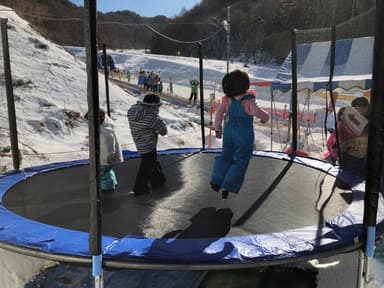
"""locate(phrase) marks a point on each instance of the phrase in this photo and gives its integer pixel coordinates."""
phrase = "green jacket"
(194, 85)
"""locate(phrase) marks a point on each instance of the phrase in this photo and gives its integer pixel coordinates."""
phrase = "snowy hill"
(50, 99)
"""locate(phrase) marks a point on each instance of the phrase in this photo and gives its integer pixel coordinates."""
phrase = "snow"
(50, 93)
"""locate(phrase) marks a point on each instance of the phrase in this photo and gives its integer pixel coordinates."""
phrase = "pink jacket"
(352, 144)
(250, 107)
(332, 146)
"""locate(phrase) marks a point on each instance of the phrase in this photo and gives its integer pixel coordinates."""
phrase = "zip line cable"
(180, 41)
(140, 24)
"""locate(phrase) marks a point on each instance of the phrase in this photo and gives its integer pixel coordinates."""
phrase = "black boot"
(224, 194)
(215, 187)
(141, 190)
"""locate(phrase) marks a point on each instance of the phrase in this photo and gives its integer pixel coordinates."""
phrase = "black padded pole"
(10, 98)
(376, 123)
(330, 87)
(294, 92)
(94, 128)
(106, 76)
(201, 95)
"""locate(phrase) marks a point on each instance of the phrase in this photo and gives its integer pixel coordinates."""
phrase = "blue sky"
(147, 8)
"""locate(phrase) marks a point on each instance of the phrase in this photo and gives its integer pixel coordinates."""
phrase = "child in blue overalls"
(240, 106)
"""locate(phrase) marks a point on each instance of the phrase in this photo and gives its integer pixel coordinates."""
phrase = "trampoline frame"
(343, 233)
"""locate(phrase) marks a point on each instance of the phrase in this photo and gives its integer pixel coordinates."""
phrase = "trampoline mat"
(277, 195)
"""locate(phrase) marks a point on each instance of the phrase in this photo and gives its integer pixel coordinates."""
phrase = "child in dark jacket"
(145, 125)
(240, 106)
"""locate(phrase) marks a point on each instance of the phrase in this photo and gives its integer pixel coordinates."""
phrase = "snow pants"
(238, 138)
(150, 172)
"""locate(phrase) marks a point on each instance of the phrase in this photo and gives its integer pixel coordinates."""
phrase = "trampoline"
(289, 209)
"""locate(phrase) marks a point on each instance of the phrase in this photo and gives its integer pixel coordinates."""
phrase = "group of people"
(145, 123)
(238, 107)
(150, 81)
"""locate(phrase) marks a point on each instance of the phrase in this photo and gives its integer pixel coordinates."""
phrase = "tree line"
(259, 29)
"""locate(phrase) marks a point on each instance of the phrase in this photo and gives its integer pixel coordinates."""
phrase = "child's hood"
(107, 127)
(108, 122)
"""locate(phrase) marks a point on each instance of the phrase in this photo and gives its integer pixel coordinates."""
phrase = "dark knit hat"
(151, 99)
(360, 102)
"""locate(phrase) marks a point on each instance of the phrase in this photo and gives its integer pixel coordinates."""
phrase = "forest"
(260, 30)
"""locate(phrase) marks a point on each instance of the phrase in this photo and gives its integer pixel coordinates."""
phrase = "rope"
(137, 24)
(180, 41)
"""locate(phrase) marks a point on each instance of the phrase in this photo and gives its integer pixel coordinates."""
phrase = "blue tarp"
(70, 276)
(344, 230)
(353, 65)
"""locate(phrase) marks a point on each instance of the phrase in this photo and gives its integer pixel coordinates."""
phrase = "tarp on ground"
(353, 65)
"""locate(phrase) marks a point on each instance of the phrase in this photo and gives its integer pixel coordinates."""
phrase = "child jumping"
(240, 106)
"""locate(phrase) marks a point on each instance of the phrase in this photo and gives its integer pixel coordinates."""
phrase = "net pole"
(330, 89)
(374, 171)
(271, 124)
(94, 142)
(106, 76)
(10, 97)
(228, 36)
(294, 91)
(201, 95)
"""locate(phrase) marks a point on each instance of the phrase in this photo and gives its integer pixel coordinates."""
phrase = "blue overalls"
(238, 138)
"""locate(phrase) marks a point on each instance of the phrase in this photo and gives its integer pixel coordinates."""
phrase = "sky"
(52, 83)
(146, 8)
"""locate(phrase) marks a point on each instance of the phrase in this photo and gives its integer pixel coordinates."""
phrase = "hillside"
(48, 83)
(61, 21)
(260, 29)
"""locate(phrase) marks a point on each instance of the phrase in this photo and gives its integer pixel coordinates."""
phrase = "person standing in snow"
(110, 152)
(141, 79)
(194, 86)
(240, 106)
(146, 125)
